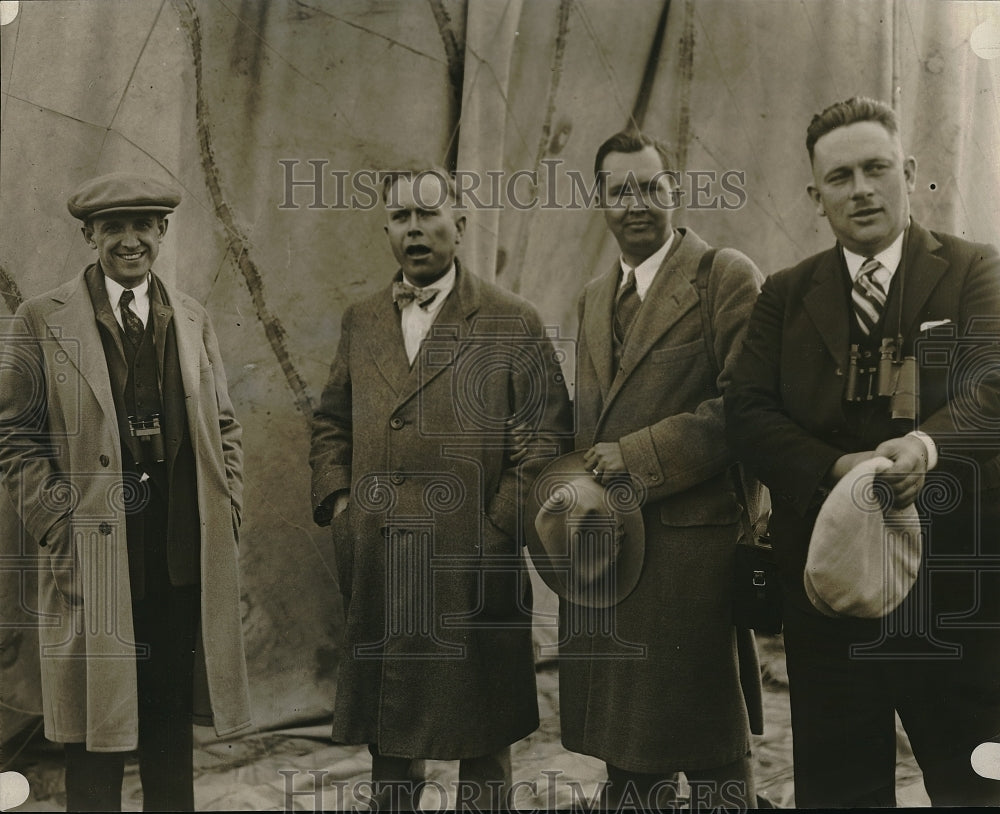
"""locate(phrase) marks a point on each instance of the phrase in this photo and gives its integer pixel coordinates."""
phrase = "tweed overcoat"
(656, 688)
(438, 658)
(60, 452)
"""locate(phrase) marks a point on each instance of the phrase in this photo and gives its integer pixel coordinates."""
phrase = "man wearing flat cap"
(121, 454)
(879, 355)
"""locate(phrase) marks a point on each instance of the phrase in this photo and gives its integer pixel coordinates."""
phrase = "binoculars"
(890, 376)
(150, 436)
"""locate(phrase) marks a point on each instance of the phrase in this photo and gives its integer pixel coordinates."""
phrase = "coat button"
(105, 460)
(397, 478)
(104, 528)
(397, 423)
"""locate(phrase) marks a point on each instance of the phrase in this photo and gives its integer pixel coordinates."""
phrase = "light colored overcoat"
(652, 685)
(59, 451)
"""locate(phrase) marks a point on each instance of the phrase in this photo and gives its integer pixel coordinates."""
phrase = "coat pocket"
(343, 551)
(712, 503)
(502, 580)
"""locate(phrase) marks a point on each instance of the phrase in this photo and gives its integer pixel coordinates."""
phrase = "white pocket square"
(934, 323)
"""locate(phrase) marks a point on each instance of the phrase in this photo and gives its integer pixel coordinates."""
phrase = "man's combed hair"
(390, 177)
(628, 141)
(840, 114)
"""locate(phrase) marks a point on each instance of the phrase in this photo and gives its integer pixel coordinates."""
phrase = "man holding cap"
(120, 452)
(881, 352)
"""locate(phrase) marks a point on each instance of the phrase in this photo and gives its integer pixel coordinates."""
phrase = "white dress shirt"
(140, 305)
(888, 257)
(417, 321)
(646, 270)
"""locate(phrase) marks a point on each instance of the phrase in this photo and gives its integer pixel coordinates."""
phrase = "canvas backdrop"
(216, 94)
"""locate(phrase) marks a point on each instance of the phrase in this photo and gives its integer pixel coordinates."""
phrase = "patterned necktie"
(403, 294)
(134, 329)
(627, 304)
(868, 296)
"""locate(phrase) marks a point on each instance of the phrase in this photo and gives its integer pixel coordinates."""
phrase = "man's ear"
(163, 227)
(459, 228)
(910, 172)
(88, 234)
(817, 200)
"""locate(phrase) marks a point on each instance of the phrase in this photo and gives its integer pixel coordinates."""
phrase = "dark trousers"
(483, 782)
(166, 622)
(843, 705)
(728, 787)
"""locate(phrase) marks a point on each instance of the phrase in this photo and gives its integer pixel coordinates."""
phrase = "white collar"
(646, 270)
(115, 289)
(443, 286)
(888, 257)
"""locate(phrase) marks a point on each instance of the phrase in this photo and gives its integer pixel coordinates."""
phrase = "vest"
(146, 381)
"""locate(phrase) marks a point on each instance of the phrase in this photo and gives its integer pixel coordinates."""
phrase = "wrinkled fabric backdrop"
(215, 93)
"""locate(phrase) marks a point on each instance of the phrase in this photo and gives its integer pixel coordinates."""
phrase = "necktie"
(868, 296)
(627, 304)
(134, 328)
(403, 294)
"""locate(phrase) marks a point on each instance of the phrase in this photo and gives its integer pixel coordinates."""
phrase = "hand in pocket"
(64, 563)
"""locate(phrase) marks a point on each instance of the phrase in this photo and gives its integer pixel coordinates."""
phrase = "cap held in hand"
(862, 561)
(587, 541)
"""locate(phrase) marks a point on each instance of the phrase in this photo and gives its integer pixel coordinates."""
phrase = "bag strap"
(748, 534)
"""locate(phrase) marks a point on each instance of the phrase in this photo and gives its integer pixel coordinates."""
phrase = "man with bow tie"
(882, 346)
(121, 454)
(415, 468)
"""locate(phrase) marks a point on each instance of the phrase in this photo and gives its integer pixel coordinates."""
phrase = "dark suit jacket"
(784, 407)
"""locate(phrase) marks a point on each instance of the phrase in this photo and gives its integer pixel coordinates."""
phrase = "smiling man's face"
(127, 244)
(636, 197)
(423, 227)
(862, 184)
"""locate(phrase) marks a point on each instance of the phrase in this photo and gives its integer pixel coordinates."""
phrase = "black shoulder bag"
(756, 591)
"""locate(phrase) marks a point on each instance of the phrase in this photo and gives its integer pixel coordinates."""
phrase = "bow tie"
(403, 294)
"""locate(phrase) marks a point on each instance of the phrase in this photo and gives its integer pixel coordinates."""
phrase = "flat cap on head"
(122, 192)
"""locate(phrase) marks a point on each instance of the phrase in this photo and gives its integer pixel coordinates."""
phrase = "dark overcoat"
(653, 684)
(438, 658)
(60, 452)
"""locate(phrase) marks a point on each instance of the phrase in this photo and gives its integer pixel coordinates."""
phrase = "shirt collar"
(115, 290)
(646, 270)
(888, 257)
(443, 286)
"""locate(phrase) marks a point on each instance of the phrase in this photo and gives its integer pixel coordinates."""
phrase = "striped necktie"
(868, 296)
(627, 304)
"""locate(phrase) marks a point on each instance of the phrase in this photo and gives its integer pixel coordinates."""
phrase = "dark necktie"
(627, 304)
(134, 328)
(868, 296)
(403, 294)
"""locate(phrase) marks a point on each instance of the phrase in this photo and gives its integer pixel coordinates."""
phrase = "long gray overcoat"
(651, 684)
(60, 450)
(438, 658)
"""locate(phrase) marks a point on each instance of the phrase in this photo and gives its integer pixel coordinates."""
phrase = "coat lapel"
(385, 342)
(922, 271)
(444, 342)
(671, 295)
(826, 304)
(188, 329)
(598, 316)
(71, 324)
